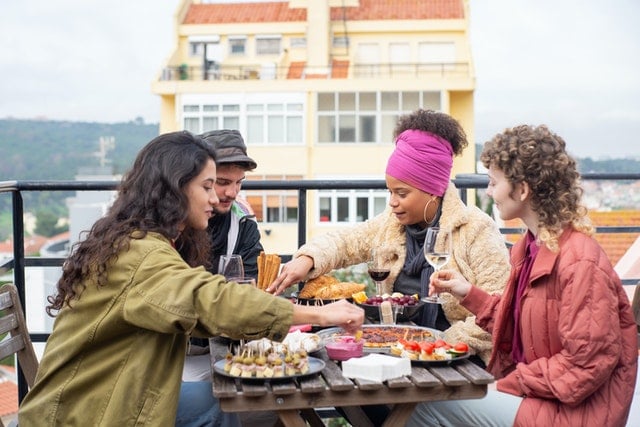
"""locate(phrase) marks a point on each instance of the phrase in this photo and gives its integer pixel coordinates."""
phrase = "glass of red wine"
(377, 271)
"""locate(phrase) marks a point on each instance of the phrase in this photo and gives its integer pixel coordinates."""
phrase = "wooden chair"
(14, 335)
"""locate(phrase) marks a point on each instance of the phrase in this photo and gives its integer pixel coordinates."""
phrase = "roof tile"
(218, 13)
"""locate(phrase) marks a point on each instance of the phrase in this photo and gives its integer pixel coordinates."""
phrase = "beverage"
(437, 260)
(437, 251)
(378, 274)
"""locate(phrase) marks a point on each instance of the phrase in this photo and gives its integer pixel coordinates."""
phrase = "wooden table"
(295, 400)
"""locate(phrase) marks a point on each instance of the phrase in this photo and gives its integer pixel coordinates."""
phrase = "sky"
(573, 65)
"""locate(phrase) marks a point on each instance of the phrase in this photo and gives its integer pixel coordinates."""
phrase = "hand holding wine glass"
(437, 251)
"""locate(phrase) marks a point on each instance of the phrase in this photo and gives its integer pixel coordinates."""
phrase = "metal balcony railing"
(20, 262)
(340, 69)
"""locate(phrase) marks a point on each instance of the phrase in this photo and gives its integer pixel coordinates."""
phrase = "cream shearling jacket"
(479, 254)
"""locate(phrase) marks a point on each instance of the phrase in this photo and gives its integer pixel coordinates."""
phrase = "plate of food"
(430, 352)
(326, 289)
(380, 338)
(259, 368)
(411, 305)
(293, 342)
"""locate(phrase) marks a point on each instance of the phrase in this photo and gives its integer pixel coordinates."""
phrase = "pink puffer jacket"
(578, 333)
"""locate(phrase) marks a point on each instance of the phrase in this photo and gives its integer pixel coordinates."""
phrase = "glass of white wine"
(437, 251)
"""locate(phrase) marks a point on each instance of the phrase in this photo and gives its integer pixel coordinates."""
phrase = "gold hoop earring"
(424, 213)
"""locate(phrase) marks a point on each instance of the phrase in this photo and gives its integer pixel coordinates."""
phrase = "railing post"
(19, 274)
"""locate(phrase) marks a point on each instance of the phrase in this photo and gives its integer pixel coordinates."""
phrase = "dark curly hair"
(538, 157)
(151, 198)
(437, 123)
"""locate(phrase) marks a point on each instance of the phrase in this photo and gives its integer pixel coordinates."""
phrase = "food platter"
(437, 362)
(394, 332)
(315, 366)
(314, 301)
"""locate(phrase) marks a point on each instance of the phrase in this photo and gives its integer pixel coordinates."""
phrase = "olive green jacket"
(115, 358)
(479, 253)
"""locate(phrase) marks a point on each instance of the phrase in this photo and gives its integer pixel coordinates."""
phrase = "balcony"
(464, 183)
(339, 69)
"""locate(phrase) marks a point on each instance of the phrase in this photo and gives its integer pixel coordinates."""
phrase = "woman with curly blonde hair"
(564, 337)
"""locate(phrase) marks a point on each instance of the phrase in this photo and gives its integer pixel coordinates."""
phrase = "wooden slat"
(312, 384)
(448, 375)
(401, 382)
(5, 300)
(423, 378)
(11, 345)
(223, 387)
(8, 323)
(368, 385)
(250, 388)
(333, 376)
(283, 388)
(475, 373)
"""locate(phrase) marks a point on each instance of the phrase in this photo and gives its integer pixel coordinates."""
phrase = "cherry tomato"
(439, 343)
(427, 347)
(461, 347)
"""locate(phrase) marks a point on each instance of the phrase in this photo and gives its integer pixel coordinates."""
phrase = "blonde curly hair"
(537, 156)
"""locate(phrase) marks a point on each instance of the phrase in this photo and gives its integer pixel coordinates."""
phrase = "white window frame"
(265, 44)
(233, 108)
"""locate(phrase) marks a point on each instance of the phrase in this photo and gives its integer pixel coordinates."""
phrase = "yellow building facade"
(316, 87)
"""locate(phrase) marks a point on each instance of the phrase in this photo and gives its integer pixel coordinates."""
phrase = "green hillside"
(55, 150)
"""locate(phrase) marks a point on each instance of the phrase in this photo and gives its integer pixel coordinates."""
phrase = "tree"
(47, 224)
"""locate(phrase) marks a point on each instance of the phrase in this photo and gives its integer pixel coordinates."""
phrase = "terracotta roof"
(296, 69)
(615, 245)
(8, 393)
(339, 70)
(218, 13)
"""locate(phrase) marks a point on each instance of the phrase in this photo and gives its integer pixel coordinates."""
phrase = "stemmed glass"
(437, 251)
(231, 267)
(377, 271)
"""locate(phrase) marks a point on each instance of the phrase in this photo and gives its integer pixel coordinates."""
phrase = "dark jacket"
(247, 238)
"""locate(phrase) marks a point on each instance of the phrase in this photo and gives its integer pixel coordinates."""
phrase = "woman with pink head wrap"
(418, 177)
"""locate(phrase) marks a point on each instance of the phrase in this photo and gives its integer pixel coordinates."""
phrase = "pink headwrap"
(422, 160)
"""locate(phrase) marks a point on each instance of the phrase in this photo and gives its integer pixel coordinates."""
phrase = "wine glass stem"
(378, 288)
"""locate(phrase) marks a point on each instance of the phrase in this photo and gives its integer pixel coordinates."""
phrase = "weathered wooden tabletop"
(295, 399)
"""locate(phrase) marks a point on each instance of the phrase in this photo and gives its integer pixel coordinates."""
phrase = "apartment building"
(315, 87)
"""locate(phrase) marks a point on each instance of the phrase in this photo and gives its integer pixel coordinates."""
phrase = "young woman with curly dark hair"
(130, 295)
(565, 351)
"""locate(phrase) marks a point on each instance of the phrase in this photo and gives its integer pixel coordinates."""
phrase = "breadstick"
(261, 268)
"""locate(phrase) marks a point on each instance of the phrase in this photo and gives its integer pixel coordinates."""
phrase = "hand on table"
(292, 272)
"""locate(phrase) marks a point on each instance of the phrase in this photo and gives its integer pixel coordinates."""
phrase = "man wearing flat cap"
(233, 230)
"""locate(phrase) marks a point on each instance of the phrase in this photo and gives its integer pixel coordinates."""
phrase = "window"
(340, 206)
(298, 42)
(274, 206)
(275, 123)
(259, 117)
(366, 117)
(237, 45)
(437, 56)
(340, 41)
(268, 45)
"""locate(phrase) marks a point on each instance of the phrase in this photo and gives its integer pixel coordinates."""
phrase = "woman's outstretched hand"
(341, 313)
(292, 272)
(449, 281)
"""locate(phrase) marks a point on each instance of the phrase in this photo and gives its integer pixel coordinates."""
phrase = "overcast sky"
(570, 64)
